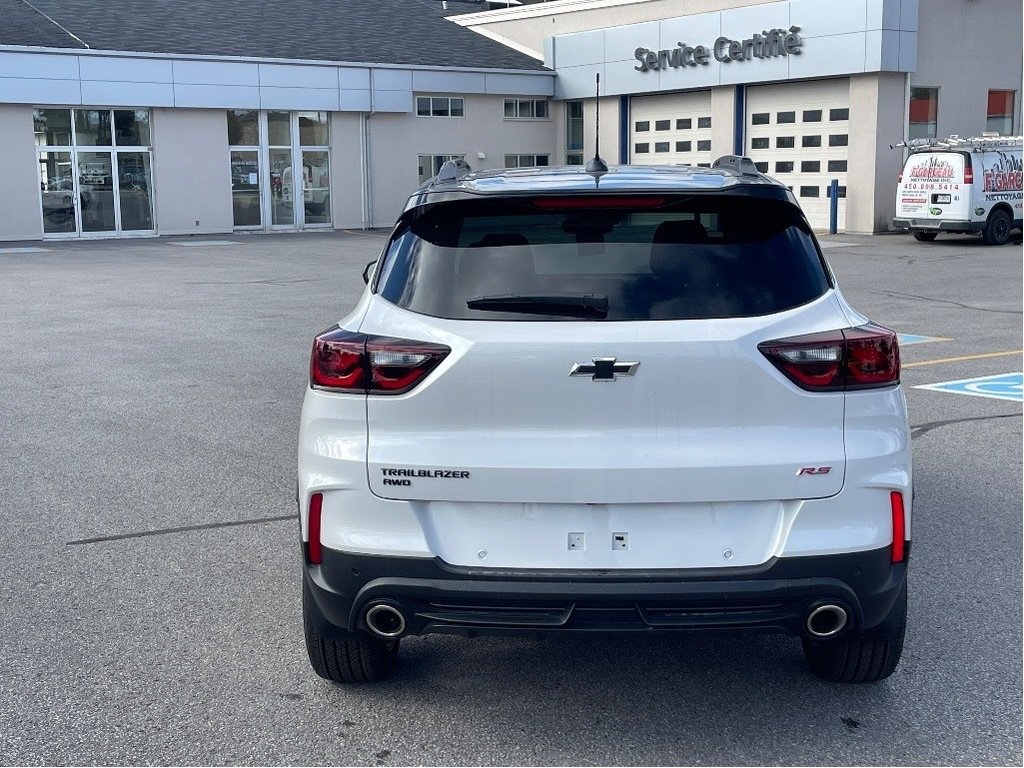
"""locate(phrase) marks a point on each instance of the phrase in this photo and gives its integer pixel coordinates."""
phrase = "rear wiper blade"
(589, 305)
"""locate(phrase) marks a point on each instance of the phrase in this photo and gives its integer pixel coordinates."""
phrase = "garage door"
(799, 134)
(671, 129)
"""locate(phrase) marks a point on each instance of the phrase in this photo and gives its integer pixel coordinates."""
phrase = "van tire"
(925, 237)
(997, 228)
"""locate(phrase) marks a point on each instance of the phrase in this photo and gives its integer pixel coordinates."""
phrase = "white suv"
(629, 401)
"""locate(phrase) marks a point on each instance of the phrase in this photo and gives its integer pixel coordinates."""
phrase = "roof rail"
(975, 143)
(742, 166)
(452, 170)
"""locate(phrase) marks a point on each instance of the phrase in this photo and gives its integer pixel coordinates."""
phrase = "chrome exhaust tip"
(384, 620)
(826, 620)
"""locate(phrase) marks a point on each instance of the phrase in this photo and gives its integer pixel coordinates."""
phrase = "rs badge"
(813, 471)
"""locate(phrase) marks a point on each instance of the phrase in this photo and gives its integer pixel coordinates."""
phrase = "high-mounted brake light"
(316, 505)
(848, 359)
(598, 201)
(899, 528)
(344, 361)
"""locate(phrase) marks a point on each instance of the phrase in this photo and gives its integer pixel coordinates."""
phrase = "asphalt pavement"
(149, 599)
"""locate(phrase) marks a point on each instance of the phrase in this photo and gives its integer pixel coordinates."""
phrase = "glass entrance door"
(59, 196)
(292, 151)
(95, 176)
(96, 192)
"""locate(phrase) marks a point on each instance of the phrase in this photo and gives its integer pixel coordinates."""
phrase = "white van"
(961, 185)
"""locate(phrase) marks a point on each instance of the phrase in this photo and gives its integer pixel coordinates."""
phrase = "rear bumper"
(938, 225)
(435, 597)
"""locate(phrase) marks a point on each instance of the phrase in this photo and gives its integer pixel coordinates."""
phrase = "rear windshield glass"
(631, 259)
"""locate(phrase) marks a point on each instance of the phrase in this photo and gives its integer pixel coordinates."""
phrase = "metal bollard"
(833, 213)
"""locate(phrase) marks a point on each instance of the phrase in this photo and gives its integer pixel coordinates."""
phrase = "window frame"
(517, 105)
(431, 97)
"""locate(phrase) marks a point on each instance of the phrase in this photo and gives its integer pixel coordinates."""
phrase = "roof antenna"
(596, 165)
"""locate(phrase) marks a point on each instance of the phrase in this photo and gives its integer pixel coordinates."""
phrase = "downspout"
(365, 151)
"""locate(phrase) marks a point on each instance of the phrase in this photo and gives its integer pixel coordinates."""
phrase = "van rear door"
(932, 189)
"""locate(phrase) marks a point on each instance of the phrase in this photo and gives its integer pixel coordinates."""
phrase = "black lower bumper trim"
(436, 597)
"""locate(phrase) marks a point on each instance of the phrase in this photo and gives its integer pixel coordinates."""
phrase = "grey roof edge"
(261, 60)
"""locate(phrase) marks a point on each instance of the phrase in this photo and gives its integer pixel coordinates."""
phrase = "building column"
(723, 120)
(877, 119)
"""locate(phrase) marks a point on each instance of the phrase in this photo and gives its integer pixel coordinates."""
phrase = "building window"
(810, 166)
(574, 131)
(1000, 112)
(95, 170)
(430, 165)
(785, 142)
(525, 161)
(924, 110)
(280, 168)
(785, 117)
(812, 116)
(839, 114)
(784, 166)
(684, 124)
(662, 146)
(704, 146)
(761, 167)
(809, 192)
(810, 141)
(760, 118)
(703, 122)
(643, 125)
(526, 109)
(759, 142)
(440, 106)
(684, 146)
(662, 125)
(574, 158)
(838, 140)
(642, 149)
(837, 166)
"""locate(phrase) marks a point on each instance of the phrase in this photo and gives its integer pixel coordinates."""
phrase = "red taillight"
(899, 527)
(316, 505)
(854, 358)
(968, 170)
(344, 361)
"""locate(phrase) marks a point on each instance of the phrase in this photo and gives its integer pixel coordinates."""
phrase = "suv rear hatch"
(604, 361)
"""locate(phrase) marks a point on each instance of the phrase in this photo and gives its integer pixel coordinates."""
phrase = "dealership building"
(198, 117)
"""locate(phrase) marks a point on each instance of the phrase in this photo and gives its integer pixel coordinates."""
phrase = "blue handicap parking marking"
(1003, 386)
(906, 339)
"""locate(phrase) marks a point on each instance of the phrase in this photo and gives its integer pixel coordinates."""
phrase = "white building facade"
(814, 91)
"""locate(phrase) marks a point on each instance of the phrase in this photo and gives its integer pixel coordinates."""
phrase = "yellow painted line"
(965, 357)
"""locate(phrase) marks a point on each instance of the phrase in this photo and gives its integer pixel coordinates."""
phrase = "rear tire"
(925, 237)
(997, 228)
(361, 659)
(860, 658)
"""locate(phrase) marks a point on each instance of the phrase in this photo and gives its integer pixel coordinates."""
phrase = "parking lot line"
(964, 357)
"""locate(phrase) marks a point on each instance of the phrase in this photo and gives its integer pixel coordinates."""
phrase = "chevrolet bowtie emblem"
(603, 369)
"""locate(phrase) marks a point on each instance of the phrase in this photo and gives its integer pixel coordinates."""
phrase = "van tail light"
(900, 177)
(343, 361)
(968, 170)
(866, 357)
(316, 506)
(899, 528)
